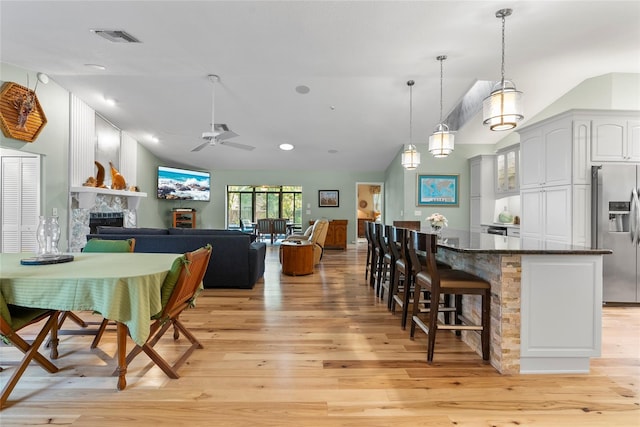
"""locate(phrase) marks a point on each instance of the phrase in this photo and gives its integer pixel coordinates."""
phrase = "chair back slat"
(189, 280)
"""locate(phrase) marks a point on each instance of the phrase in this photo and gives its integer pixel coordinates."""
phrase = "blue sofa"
(237, 260)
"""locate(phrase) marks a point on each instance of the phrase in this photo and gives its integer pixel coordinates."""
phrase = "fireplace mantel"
(86, 196)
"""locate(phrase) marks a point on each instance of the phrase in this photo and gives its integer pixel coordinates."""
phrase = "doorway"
(369, 205)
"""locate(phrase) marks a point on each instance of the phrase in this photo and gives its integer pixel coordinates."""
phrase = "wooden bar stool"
(388, 262)
(370, 248)
(449, 282)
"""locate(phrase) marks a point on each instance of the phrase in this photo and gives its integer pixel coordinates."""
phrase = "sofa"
(237, 260)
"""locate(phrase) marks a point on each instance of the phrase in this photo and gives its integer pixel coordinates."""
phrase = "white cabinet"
(482, 197)
(555, 178)
(547, 154)
(546, 214)
(507, 176)
(615, 140)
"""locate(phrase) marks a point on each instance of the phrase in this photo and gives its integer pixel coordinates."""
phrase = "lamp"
(502, 109)
(442, 140)
(410, 156)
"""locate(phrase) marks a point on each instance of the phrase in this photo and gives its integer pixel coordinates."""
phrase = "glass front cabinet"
(507, 171)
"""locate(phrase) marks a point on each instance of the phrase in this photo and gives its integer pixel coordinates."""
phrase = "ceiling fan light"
(441, 142)
(410, 157)
(502, 109)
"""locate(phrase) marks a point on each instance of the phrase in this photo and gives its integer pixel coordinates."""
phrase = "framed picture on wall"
(329, 198)
(437, 190)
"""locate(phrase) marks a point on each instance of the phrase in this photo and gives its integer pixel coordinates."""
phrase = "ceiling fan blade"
(237, 145)
(201, 146)
(226, 135)
(221, 127)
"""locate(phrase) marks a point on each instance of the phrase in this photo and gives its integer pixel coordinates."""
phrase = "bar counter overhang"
(546, 300)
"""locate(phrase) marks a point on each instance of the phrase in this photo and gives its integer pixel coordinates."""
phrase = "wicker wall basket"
(36, 120)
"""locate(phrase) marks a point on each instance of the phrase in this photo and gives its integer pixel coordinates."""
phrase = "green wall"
(401, 185)
(52, 144)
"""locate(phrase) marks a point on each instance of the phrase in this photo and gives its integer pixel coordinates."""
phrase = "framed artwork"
(328, 198)
(437, 190)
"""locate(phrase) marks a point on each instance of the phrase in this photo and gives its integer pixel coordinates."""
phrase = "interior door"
(20, 203)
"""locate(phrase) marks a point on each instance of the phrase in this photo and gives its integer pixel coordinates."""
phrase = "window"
(250, 203)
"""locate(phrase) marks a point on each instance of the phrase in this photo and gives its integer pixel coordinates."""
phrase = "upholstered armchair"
(316, 234)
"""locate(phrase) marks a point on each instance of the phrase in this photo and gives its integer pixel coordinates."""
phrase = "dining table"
(123, 287)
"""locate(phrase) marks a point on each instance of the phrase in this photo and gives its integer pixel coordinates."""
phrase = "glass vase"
(48, 235)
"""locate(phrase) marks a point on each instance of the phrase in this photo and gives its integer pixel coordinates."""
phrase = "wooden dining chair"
(279, 229)
(13, 319)
(102, 246)
(452, 282)
(179, 290)
(263, 227)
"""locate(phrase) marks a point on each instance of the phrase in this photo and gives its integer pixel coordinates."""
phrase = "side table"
(296, 258)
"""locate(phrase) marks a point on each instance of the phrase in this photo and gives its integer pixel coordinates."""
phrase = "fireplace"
(112, 219)
(91, 207)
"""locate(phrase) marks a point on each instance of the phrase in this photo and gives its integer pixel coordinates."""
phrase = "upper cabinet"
(507, 171)
(615, 140)
(558, 150)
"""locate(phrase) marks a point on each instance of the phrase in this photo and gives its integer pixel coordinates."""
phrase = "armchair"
(316, 234)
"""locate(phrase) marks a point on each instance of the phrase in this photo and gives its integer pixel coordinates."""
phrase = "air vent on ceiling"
(116, 36)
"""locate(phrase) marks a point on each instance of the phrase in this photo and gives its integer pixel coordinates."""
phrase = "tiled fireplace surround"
(88, 200)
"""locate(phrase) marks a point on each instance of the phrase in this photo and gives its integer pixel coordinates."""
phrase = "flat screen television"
(183, 184)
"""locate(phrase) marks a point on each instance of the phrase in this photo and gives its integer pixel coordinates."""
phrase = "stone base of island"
(546, 304)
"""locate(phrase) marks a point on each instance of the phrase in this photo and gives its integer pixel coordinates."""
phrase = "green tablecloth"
(121, 286)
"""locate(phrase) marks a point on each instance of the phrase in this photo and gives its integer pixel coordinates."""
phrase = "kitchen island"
(546, 300)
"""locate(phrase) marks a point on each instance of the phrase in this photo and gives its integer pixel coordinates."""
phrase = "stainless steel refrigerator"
(615, 225)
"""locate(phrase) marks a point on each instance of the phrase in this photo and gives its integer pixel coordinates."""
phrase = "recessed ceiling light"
(286, 147)
(332, 151)
(302, 89)
(96, 66)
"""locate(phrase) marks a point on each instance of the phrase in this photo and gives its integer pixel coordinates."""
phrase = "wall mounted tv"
(183, 184)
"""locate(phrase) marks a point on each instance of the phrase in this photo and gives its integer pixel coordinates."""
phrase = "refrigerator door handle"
(636, 220)
(633, 217)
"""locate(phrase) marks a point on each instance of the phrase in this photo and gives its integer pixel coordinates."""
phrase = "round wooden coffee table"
(297, 257)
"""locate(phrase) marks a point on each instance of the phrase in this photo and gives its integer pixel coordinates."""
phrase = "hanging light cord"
(410, 83)
(503, 19)
(441, 58)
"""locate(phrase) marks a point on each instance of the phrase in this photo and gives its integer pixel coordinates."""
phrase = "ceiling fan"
(219, 132)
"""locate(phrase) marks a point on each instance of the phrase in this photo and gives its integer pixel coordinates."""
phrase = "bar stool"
(397, 240)
(453, 282)
(370, 248)
(388, 262)
(373, 266)
(403, 279)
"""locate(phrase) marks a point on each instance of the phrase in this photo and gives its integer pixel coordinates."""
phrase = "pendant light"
(410, 156)
(442, 140)
(502, 109)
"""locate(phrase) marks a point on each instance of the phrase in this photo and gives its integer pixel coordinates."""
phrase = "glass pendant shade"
(410, 157)
(502, 109)
(441, 142)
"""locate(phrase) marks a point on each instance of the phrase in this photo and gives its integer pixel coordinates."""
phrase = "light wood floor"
(321, 350)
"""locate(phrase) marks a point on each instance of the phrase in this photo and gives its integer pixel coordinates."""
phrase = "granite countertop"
(472, 242)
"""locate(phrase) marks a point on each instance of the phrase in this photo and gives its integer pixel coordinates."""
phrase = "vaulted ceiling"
(354, 56)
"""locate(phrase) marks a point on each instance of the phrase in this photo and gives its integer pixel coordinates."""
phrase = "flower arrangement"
(437, 221)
